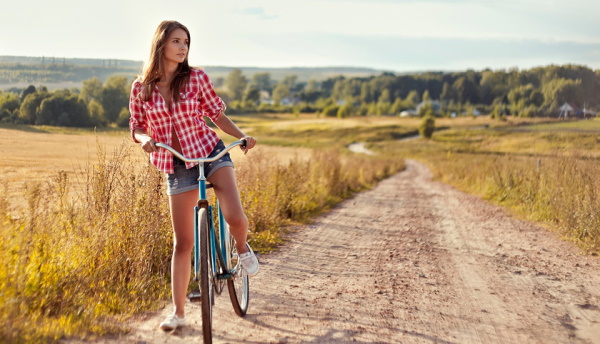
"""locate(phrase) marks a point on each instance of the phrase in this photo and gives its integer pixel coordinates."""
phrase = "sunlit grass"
(93, 245)
(548, 176)
(86, 243)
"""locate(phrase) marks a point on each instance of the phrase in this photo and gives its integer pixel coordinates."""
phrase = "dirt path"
(412, 261)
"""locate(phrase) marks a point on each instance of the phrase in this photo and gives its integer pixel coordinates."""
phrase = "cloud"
(257, 12)
(405, 54)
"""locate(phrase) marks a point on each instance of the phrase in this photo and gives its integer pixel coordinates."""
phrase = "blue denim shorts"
(184, 179)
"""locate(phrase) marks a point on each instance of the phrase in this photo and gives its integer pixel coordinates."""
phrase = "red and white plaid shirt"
(197, 139)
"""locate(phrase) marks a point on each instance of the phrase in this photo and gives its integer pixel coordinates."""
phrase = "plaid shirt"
(197, 139)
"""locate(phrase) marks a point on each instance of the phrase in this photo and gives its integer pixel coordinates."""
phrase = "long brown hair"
(152, 71)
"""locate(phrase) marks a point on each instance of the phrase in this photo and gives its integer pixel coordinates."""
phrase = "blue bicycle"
(215, 257)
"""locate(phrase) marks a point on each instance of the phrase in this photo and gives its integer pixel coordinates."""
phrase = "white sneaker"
(249, 261)
(172, 322)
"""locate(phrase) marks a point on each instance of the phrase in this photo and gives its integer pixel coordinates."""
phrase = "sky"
(391, 35)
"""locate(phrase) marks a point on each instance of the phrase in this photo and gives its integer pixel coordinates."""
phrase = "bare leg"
(182, 215)
(223, 181)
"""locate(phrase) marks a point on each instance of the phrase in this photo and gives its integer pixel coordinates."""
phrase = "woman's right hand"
(148, 144)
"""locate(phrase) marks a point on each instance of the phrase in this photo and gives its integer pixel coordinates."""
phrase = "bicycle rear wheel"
(238, 285)
(206, 276)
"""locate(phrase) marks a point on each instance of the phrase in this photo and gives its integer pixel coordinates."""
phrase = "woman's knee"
(237, 221)
(183, 246)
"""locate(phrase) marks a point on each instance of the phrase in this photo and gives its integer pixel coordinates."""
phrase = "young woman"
(167, 104)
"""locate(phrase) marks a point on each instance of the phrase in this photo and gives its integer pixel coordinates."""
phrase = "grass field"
(545, 172)
(86, 229)
(80, 249)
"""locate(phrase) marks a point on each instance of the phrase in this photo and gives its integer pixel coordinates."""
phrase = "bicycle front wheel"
(238, 284)
(206, 275)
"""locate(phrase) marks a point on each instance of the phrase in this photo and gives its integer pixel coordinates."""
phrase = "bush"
(330, 111)
(344, 111)
(427, 127)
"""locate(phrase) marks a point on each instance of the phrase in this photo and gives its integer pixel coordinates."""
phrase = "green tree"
(96, 112)
(338, 91)
(236, 84)
(30, 107)
(372, 109)
(385, 96)
(312, 86)
(396, 106)
(29, 90)
(465, 90)
(280, 92)
(446, 93)
(262, 81)
(558, 91)
(383, 104)
(9, 103)
(344, 111)
(252, 94)
(330, 111)
(114, 96)
(64, 109)
(412, 99)
(123, 120)
(365, 93)
(426, 96)
(290, 81)
(311, 92)
(500, 110)
(91, 89)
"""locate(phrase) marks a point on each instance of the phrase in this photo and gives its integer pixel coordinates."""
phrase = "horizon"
(365, 68)
(389, 35)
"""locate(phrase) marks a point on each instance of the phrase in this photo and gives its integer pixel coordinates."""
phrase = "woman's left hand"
(250, 143)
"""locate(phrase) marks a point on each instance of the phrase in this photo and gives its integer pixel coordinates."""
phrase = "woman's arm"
(228, 127)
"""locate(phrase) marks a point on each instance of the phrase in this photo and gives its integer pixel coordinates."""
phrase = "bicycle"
(215, 257)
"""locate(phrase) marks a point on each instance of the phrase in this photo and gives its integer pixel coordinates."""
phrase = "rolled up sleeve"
(136, 109)
(211, 104)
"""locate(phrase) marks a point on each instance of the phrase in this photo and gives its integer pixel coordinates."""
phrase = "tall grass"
(73, 262)
(563, 192)
(276, 194)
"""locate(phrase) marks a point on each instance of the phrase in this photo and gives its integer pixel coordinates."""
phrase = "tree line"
(534, 92)
(96, 104)
(526, 93)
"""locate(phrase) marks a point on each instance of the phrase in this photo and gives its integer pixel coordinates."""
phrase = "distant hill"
(54, 72)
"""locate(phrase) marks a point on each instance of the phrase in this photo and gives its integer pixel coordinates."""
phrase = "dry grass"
(546, 173)
(33, 155)
(83, 247)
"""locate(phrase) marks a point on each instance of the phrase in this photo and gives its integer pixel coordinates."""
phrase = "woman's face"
(177, 46)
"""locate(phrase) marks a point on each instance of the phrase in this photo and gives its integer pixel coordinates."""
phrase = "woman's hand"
(148, 144)
(250, 143)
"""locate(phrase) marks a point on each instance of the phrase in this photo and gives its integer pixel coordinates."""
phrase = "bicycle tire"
(205, 276)
(238, 284)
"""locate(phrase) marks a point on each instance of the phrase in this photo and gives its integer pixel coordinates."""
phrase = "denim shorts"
(184, 179)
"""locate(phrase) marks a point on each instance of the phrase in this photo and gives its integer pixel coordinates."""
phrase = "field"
(86, 228)
(33, 155)
(80, 249)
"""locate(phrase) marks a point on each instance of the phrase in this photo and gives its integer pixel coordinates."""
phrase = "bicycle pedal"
(195, 296)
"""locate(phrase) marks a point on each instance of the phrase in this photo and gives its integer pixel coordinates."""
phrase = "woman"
(167, 104)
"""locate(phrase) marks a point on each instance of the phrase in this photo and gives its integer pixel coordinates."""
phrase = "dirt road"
(411, 261)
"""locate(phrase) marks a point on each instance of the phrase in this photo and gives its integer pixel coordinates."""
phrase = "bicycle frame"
(217, 255)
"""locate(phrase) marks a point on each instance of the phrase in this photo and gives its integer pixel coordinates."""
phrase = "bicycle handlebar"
(202, 160)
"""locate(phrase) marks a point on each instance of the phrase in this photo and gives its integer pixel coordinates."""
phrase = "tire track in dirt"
(411, 261)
